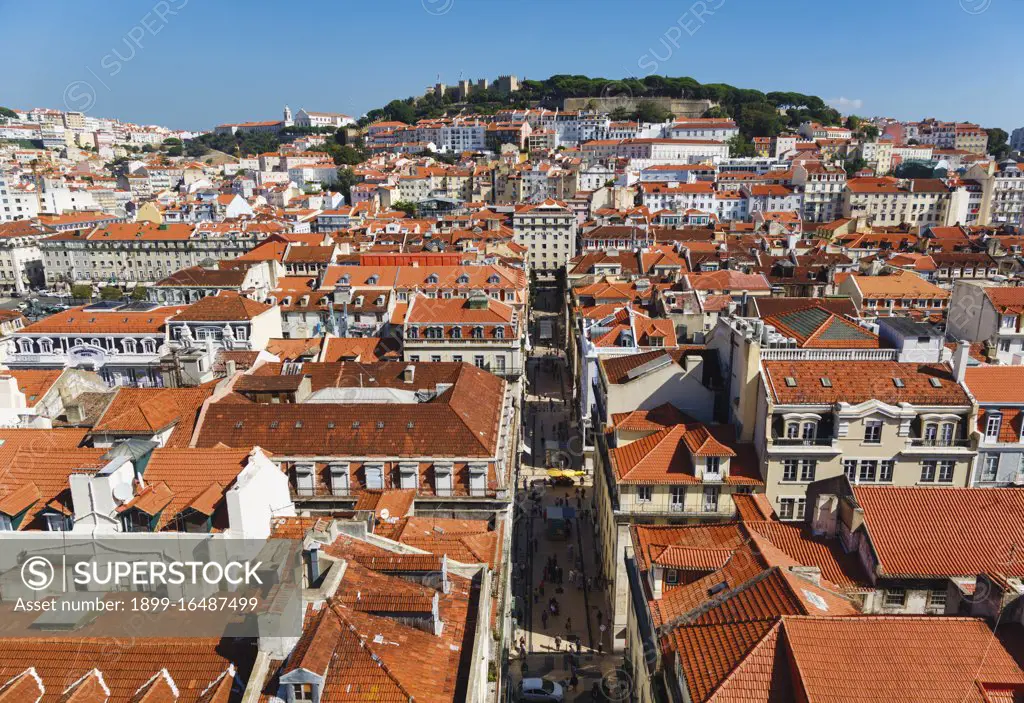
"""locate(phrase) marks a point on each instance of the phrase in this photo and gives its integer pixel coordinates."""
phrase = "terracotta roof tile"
(939, 532)
(226, 307)
(858, 381)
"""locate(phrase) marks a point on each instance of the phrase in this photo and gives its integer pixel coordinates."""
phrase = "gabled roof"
(665, 457)
(147, 411)
(225, 307)
(1006, 299)
(816, 327)
(942, 532)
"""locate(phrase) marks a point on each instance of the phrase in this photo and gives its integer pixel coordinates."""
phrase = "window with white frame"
(946, 469)
(789, 469)
(989, 467)
(937, 599)
(895, 597)
(643, 494)
(712, 465)
(873, 432)
(792, 508)
(677, 498)
(929, 468)
(993, 424)
(887, 468)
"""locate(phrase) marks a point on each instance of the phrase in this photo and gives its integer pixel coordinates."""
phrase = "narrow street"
(557, 569)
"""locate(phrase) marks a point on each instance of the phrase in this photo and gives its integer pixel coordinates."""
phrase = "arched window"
(25, 346)
(499, 333)
(414, 332)
(148, 346)
(456, 333)
(432, 278)
(128, 345)
(46, 346)
(478, 333)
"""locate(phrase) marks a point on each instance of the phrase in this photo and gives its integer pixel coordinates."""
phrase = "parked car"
(541, 691)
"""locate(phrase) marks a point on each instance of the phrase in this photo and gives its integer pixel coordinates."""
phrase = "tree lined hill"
(757, 114)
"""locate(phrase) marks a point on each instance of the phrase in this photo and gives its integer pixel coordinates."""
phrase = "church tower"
(288, 116)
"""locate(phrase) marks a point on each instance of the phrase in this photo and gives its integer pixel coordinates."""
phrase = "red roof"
(939, 532)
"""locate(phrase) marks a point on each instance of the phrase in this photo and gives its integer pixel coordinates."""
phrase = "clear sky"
(192, 64)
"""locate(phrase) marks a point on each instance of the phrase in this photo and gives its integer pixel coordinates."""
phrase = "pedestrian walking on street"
(568, 625)
(572, 576)
(583, 493)
(544, 618)
(558, 643)
(574, 681)
(570, 555)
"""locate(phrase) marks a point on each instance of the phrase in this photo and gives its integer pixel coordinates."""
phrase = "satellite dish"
(123, 493)
(385, 514)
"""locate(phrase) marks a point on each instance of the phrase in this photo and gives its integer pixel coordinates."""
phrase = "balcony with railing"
(939, 445)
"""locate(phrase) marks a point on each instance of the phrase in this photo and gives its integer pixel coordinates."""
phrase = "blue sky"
(195, 63)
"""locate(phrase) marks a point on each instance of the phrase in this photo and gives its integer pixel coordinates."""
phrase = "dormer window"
(432, 279)
(478, 333)
(713, 465)
(463, 280)
(456, 333)
(414, 333)
(993, 425)
(302, 692)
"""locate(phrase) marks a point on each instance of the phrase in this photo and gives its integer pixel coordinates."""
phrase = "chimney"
(960, 357)
(409, 374)
(230, 367)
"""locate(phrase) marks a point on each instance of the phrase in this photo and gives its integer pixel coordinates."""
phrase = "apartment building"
(889, 201)
(121, 342)
(657, 466)
(1002, 192)
(679, 197)
(478, 330)
(226, 321)
(926, 550)
(21, 262)
(137, 252)
(548, 230)
(899, 293)
(704, 128)
(989, 313)
(876, 422)
(997, 390)
(448, 431)
(822, 187)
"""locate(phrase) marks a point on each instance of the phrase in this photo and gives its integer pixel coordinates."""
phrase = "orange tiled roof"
(173, 484)
(150, 410)
(937, 532)
(226, 307)
(859, 381)
(995, 384)
(34, 383)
